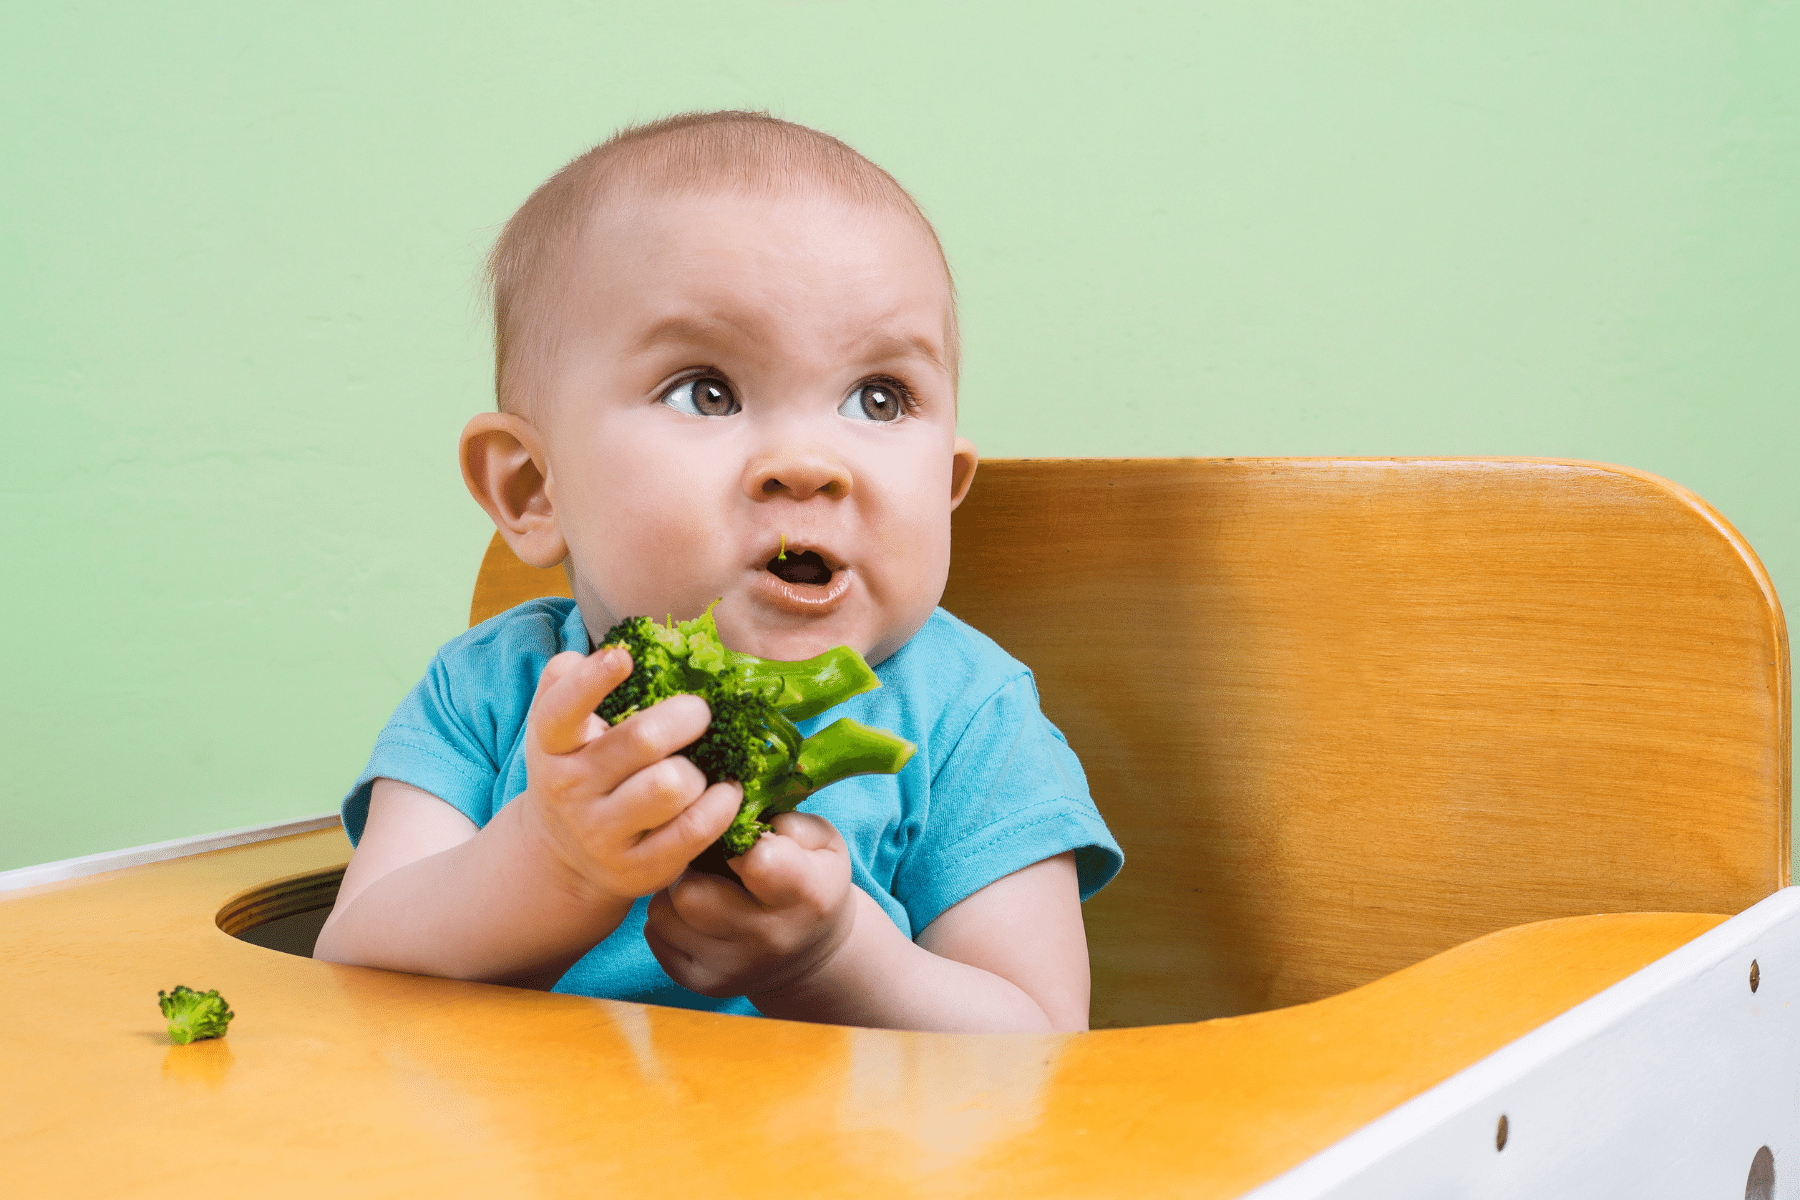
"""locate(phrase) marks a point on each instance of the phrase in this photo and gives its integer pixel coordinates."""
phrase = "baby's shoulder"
(527, 628)
(947, 646)
(949, 671)
(503, 656)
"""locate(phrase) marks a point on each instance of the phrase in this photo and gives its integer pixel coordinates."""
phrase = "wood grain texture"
(347, 1081)
(1344, 714)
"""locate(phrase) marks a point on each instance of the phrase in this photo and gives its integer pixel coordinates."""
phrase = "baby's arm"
(805, 944)
(607, 816)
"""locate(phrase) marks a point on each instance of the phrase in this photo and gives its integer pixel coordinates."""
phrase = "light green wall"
(241, 323)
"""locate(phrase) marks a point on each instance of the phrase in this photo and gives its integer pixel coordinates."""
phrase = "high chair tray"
(1627, 1052)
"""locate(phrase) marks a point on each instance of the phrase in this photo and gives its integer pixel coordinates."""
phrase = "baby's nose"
(799, 473)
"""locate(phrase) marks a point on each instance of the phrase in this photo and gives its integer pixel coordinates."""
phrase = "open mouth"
(800, 566)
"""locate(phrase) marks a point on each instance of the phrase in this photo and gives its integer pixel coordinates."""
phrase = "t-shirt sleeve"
(431, 746)
(1009, 794)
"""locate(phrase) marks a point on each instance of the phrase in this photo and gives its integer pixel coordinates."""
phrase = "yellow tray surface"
(344, 1081)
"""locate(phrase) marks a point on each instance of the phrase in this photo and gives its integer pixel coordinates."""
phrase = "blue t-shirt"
(992, 789)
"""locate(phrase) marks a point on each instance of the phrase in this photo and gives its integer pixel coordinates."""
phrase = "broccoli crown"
(748, 738)
(667, 660)
(737, 743)
(755, 702)
(192, 1015)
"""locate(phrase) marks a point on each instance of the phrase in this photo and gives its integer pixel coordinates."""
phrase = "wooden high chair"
(1380, 738)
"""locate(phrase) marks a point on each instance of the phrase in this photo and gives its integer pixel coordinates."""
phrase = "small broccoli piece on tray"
(194, 1016)
(754, 702)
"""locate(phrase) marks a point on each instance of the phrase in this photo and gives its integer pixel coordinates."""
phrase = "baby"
(726, 359)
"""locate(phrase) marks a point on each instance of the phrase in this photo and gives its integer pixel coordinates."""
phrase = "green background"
(242, 325)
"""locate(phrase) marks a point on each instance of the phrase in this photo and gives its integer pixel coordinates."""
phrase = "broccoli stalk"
(194, 1016)
(755, 702)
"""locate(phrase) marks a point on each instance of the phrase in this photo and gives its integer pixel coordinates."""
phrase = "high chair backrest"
(1343, 714)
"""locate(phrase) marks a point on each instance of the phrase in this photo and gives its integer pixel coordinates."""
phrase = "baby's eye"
(705, 396)
(877, 400)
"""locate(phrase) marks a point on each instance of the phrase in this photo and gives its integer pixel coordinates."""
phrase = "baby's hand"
(609, 803)
(782, 927)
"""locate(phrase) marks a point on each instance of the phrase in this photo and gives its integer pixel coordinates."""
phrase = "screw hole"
(1755, 975)
(1761, 1184)
(1500, 1133)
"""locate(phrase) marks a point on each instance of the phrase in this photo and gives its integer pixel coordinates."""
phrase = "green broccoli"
(755, 702)
(192, 1015)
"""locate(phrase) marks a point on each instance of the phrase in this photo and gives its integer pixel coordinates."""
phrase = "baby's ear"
(504, 467)
(962, 469)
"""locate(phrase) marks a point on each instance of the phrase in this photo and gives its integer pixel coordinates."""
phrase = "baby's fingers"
(809, 831)
(568, 691)
(683, 830)
(712, 906)
(697, 962)
(645, 738)
(806, 863)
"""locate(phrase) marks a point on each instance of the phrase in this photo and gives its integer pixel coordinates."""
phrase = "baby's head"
(718, 336)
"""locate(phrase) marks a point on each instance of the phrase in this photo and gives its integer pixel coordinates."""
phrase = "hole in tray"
(283, 914)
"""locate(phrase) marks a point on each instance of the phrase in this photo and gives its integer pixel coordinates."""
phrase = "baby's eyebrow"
(890, 346)
(690, 331)
(685, 330)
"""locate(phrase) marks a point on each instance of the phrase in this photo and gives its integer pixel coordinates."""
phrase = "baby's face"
(734, 373)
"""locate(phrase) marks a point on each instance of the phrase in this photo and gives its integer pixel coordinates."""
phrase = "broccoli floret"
(194, 1016)
(755, 702)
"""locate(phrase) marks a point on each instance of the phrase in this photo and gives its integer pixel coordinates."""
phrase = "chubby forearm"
(879, 978)
(498, 907)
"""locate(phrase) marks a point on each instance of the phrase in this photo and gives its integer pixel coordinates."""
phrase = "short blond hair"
(694, 152)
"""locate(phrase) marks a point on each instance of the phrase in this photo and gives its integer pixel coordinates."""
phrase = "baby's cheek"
(669, 560)
(911, 530)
